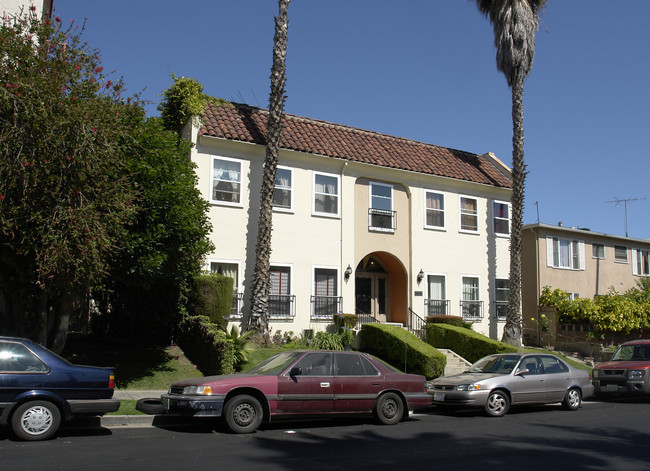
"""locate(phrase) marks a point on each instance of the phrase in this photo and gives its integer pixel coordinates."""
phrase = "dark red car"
(628, 372)
(301, 383)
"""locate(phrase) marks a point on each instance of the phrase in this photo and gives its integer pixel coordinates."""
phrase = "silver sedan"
(496, 382)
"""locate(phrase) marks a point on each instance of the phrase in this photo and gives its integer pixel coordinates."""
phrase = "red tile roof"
(245, 123)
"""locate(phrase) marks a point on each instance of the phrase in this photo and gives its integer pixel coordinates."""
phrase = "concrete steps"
(455, 363)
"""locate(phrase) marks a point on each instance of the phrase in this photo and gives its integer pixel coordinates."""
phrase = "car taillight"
(111, 381)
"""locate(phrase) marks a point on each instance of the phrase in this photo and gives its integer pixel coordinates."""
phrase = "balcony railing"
(282, 306)
(382, 220)
(324, 307)
(437, 307)
(501, 310)
(471, 310)
(235, 310)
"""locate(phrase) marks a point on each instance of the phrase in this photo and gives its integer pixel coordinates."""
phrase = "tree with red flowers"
(65, 188)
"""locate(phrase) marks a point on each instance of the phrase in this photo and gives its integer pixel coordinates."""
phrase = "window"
(640, 262)
(315, 364)
(501, 214)
(552, 365)
(325, 302)
(226, 181)
(434, 207)
(281, 302)
(326, 194)
(620, 254)
(598, 251)
(470, 304)
(437, 304)
(15, 357)
(381, 214)
(283, 194)
(354, 365)
(468, 214)
(565, 253)
(501, 296)
(230, 270)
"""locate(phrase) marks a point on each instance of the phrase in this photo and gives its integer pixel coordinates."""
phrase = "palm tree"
(259, 315)
(515, 23)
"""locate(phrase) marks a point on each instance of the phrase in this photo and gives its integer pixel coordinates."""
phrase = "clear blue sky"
(423, 70)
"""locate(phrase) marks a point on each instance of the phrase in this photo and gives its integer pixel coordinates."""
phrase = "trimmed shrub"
(469, 344)
(206, 345)
(349, 321)
(451, 320)
(392, 343)
(211, 296)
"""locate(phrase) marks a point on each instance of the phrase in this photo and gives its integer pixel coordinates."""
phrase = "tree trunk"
(512, 329)
(259, 315)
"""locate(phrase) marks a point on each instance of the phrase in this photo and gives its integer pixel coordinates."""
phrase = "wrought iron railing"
(501, 310)
(417, 325)
(437, 307)
(382, 220)
(235, 310)
(324, 307)
(471, 310)
(282, 306)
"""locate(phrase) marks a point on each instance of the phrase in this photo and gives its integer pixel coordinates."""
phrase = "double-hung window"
(226, 181)
(381, 215)
(283, 192)
(598, 251)
(565, 253)
(501, 215)
(434, 207)
(470, 305)
(620, 254)
(281, 301)
(501, 296)
(641, 262)
(326, 195)
(437, 303)
(325, 302)
(468, 214)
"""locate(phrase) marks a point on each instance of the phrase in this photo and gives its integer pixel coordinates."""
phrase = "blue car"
(39, 389)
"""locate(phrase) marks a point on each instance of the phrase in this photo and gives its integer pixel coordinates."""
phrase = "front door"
(372, 295)
(312, 391)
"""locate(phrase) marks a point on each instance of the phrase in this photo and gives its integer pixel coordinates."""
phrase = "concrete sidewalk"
(130, 394)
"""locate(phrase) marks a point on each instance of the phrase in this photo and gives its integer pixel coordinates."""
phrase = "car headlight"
(207, 390)
(637, 374)
(595, 373)
(468, 387)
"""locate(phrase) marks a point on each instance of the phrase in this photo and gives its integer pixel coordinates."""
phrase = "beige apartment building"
(579, 261)
(384, 227)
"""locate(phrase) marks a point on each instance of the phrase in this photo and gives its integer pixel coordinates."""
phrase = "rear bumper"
(93, 406)
(197, 406)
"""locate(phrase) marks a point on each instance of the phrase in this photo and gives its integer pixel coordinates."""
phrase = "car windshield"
(494, 364)
(275, 364)
(632, 353)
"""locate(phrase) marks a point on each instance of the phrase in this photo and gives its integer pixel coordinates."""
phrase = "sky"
(423, 70)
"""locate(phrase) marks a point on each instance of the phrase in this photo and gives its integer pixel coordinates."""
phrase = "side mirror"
(522, 372)
(295, 371)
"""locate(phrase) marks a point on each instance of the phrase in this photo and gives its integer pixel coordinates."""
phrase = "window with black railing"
(281, 306)
(324, 307)
(501, 310)
(471, 310)
(382, 220)
(235, 310)
(437, 307)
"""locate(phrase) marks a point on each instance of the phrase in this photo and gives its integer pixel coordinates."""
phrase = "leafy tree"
(65, 188)
(259, 316)
(515, 23)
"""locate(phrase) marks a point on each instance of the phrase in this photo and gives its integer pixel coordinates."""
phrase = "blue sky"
(423, 70)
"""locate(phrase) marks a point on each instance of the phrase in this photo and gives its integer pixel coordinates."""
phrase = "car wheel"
(389, 409)
(243, 414)
(150, 405)
(36, 420)
(573, 399)
(498, 404)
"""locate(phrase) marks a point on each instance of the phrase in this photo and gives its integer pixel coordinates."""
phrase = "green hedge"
(451, 320)
(205, 345)
(211, 296)
(349, 321)
(469, 344)
(391, 343)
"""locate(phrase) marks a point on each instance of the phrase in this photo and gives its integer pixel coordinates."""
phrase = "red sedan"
(300, 383)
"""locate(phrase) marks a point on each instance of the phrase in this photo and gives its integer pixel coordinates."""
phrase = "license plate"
(439, 397)
(611, 387)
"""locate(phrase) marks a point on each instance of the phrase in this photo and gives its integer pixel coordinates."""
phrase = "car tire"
(243, 414)
(150, 405)
(572, 399)
(497, 404)
(389, 409)
(36, 420)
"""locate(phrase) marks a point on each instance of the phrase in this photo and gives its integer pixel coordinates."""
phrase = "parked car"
(497, 382)
(299, 383)
(628, 371)
(39, 389)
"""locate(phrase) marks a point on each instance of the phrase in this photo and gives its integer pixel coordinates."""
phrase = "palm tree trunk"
(512, 329)
(259, 314)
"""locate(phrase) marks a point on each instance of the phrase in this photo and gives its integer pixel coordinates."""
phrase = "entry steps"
(455, 363)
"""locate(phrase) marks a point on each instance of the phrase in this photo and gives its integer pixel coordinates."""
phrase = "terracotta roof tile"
(244, 123)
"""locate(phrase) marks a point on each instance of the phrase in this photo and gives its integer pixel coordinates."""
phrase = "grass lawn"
(127, 407)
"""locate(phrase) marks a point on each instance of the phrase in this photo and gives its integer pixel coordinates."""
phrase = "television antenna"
(624, 201)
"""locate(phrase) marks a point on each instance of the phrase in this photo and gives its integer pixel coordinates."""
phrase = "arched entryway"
(380, 288)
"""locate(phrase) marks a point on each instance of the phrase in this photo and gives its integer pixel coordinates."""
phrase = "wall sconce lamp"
(348, 272)
(420, 277)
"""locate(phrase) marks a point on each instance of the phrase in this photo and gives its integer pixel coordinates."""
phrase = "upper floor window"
(468, 214)
(226, 181)
(326, 194)
(283, 194)
(565, 253)
(620, 254)
(434, 207)
(501, 215)
(640, 262)
(598, 251)
(381, 214)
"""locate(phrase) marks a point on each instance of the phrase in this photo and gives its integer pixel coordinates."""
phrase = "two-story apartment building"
(579, 261)
(363, 222)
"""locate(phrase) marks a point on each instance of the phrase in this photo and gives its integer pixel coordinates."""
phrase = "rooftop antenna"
(624, 201)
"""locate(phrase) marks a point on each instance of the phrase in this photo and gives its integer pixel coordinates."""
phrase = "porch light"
(348, 272)
(420, 277)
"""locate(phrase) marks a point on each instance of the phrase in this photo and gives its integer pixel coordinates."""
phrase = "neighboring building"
(581, 262)
(14, 7)
(363, 222)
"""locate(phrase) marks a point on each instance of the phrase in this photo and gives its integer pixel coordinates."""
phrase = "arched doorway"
(380, 288)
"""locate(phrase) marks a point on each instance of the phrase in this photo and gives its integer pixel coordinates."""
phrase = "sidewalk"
(129, 394)
(132, 420)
